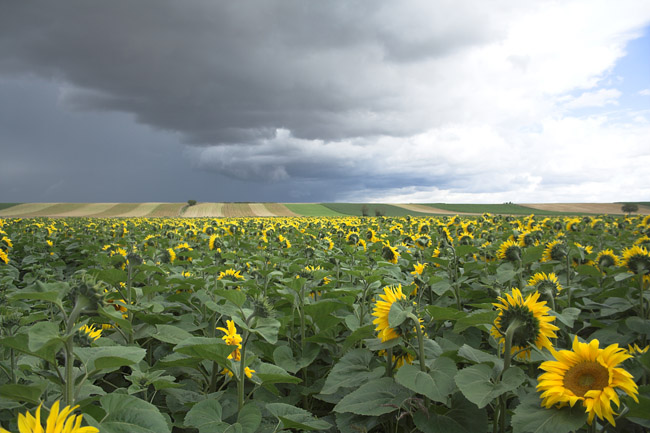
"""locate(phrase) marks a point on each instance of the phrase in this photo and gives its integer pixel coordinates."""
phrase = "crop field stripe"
(56, 210)
(260, 210)
(421, 208)
(7, 205)
(141, 210)
(356, 209)
(585, 208)
(24, 209)
(280, 209)
(237, 210)
(167, 210)
(117, 210)
(204, 210)
(312, 209)
(88, 210)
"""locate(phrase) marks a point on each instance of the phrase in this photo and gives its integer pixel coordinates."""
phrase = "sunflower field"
(466, 324)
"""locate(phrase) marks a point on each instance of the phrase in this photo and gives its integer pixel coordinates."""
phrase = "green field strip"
(117, 210)
(8, 205)
(56, 210)
(312, 210)
(169, 210)
(24, 209)
(372, 209)
(203, 210)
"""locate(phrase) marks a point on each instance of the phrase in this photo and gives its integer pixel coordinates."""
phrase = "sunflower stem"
(641, 306)
(418, 328)
(389, 362)
(242, 371)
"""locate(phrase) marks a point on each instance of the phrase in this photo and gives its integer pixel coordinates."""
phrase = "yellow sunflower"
(231, 274)
(232, 338)
(636, 350)
(587, 374)
(4, 257)
(381, 310)
(535, 322)
(606, 259)
(57, 422)
(390, 253)
(554, 250)
(636, 259)
(542, 280)
(91, 332)
(509, 250)
(418, 268)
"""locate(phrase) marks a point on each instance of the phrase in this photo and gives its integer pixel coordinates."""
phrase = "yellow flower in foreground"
(636, 259)
(91, 332)
(587, 374)
(232, 338)
(418, 268)
(57, 422)
(535, 322)
(382, 308)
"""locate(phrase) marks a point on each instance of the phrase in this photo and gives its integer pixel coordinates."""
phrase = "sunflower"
(57, 422)
(636, 259)
(636, 350)
(390, 253)
(382, 309)
(587, 374)
(4, 257)
(606, 259)
(233, 274)
(232, 338)
(536, 326)
(509, 250)
(584, 251)
(418, 268)
(554, 250)
(542, 281)
(91, 332)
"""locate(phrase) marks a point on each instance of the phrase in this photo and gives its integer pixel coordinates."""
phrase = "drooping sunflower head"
(535, 325)
(636, 259)
(582, 252)
(606, 259)
(543, 282)
(391, 295)
(509, 250)
(587, 374)
(390, 253)
(555, 250)
(526, 238)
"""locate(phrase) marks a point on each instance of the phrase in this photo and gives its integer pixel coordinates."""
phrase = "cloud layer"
(394, 101)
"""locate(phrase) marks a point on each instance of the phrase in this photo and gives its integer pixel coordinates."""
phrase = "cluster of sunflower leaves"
(432, 324)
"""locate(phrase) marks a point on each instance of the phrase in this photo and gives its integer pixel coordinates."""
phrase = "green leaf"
(588, 271)
(109, 357)
(475, 383)
(267, 328)
(20, 342)
(398, 314)
(463, 417)
(637, 324)
(296, 418)
(374, 398)
(283, 356)
(237, 297)
(128, 414)
(532, 254)
(249, 418)
(270, 374)
(23, 393)
(568, 316)
(437, 384)
(357, 367)
(475, 319)
(206, 416)
(531, 417)
(42, 334)
(212, 349)
(477, 356)
(358, 335)
(51, 292)
(444, 313)
(171, 334)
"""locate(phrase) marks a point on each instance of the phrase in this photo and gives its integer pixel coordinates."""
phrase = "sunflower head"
(636, 259)
(509, 250)
(57, 421)
(555, 250)
(543, 282)
(606, 259)
(390, 253)
(534, 322)
(587, 374)
(381, 311)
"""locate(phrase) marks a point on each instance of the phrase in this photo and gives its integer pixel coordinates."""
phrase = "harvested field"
(116, 210)
(24, 209)
(237, 210)
(260, 210)
(167, 210)
(88, 210)
(55, 210)
(580, 208)
(204, 210)
(432, 210)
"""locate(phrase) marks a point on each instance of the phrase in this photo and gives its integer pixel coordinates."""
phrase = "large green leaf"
(357, 367)
(44, 334)
(296, 418)
(171, 334)
(213, 349)
(463, 417)
(206, 416)
(531, 417)
(374, 398)
(436, 384)
(128, 414)
(109, 357)
(23, 393)
(475, 319)
(270, 374)
(476, 383)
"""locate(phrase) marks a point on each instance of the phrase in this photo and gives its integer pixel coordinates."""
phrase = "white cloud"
(599, 98)
(644, 92)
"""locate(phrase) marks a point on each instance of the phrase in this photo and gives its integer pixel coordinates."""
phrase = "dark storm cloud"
(234, 72)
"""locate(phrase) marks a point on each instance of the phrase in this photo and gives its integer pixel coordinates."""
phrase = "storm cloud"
(350, 99)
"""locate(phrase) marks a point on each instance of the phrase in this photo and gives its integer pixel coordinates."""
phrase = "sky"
(404, 101)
